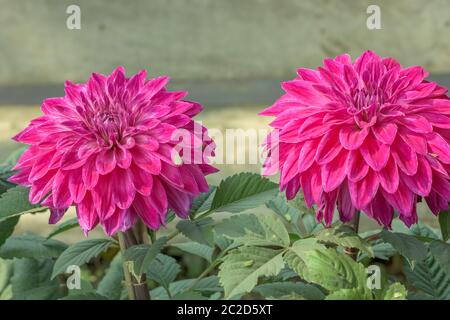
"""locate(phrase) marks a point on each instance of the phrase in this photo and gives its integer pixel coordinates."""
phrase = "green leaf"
(280, 206)
(444, 223)
(242, 267)
(408, 246)
(31, 280)
(62, 227)
(333, 270)
(197, 230)
(276, 290)
(6, 267)
(296, 254)
(15, 202)
(350, 294)
(345, 237)
(396, 291)
(202, 202)
(142, 255)
(441, 251)
(255, 230)
(80, 253)
(206, 285)
(7, 228)
(111, 284)
(241, 192)
(430, 275)
(196, 248)
(163, 269)
(31, 246)
(311, 224)
(381, 250)
(85, 296)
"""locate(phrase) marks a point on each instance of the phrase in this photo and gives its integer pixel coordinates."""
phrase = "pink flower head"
(366, 135)
(107, 148)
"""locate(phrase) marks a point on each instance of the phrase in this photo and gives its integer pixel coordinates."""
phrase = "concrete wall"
(197, 40)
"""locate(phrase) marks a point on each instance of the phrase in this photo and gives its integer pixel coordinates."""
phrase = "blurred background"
(229, 54)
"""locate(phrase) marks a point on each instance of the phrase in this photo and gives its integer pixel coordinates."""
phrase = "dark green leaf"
(142, 255)
(444, 222)
(80, 253)
(243, 191)
(31, 246)
(62, 227)
(408, 246)
(15, 202)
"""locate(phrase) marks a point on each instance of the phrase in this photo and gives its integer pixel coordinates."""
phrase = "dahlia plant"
(366, 136)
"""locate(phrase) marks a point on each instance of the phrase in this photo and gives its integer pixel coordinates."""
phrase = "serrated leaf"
(206, 285)
(163, 269)
(280, 206)
(381, 250)
(429, 276)
(241, 192)
(142, 255)
(396, 291)
(444, 223)
(277, 290)
(80, 253)
(197, 230)
(350, 294)
(334, 271)
(189, 295)
(7, 228)
(345, 237)
(62, 227)
(202, 202)
(242, 267)
(296, 254)
(196, 248)
(31, 246)
(15, 202)
(111, 284)
(441, 251)
(311, 225)
(255, 230)
(31, 280)
(408, 246)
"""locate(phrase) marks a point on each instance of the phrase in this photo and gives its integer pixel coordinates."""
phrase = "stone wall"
(202, 40)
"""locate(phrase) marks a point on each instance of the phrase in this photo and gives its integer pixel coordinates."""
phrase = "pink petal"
(385, 132)
(357, 168)
(334, 172)
(389, 177)
(363, 191)
(376, 154)
(328, 148)
(352, 138)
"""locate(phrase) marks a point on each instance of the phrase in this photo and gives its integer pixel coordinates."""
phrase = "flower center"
(109, 126)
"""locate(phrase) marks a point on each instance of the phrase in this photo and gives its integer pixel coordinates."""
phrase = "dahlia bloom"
(107, 148)
(365, 135)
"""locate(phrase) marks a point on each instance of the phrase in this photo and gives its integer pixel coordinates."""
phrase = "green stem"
(354, 224)
(137, 288)
(207, 270)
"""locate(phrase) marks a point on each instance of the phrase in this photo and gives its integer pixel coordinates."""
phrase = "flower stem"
(354, 224)
(137, 288)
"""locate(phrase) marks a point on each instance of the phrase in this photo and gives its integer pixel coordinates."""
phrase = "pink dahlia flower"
(107, 148)
(365, 135)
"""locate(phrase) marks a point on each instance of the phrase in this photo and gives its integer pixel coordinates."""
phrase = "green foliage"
(62, 227)
(241, 192)
(283, 254)
(345, 237)
(14, 202)
(432, 275)
(164, 270)
(242, 267)
(197, 249)
(31, 280)
(197, 230)
(408, 246)
(142, 255)
(31, 246)
(80, 253)
(255, 230)
(444, 222)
